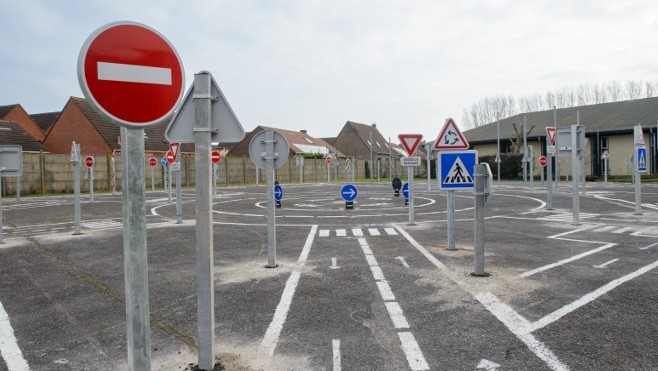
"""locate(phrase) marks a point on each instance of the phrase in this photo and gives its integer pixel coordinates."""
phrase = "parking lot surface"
(354, 289)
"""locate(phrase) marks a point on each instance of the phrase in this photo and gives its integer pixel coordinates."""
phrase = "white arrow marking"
(404, 263)
(134, 73)
(647, 247)
(604, 264)
(487, 365)
(333, 264)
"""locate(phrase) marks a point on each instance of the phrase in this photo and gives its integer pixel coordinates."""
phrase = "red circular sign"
(328, 160)
(153, 161)
(131, 74)
(543, 161)
(170, 157)
(215, 156)
(89, 161)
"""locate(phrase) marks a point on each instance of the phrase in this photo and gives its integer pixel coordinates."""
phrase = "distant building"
(45, 120)
(300, 143)
(608, 127)
(17, 114)
(13, 133)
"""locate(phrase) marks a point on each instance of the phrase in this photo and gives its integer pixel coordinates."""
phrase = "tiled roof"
(45, 120)
(605, 117)
(363, 131)
(4, 110)
(297, 140)
(12, 133)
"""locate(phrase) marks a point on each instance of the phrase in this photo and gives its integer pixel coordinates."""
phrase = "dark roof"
(605, 117)
(12, 133)
(45, 120)
(363, 131)
(330, 141)
(296, 140)
(4, 110)
(154, 139)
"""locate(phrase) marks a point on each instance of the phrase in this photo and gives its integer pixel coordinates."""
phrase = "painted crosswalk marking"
(373, 231)
(357, 232)
(391, 231)
(102, 224)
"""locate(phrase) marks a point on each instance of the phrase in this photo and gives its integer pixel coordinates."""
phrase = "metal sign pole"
(179, 196)
(637, 131)
(91, 184)
(152, 178)
(214, 179)
(76, 189)
(525, 151)
(328, 173)
(113, 179)
(134, 249)
(271, 221)
(451, 220)
(169, 182)
(497, 150)
(257, 175)
(410, 180)
(479, 174)
(575, 178)
(205, 284)
(605, 170)
(428, 152)
(1, 233)
(18, 188)
(531, 161)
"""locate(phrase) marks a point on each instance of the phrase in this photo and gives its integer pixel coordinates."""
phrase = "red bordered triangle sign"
(450, 137)
(550, 134)
(410, 142)
(173, 147)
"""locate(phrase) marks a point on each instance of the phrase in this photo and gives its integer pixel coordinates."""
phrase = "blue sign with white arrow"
(405, 190)
(456, 169)
(349, 192)
(278, 192)
(164, 161)
(641, 159)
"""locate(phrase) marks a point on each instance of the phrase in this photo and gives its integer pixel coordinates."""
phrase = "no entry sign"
(215, 156)
(543, 161)
(170, 157)
(131, 74)
(153, 161)
(89, 161)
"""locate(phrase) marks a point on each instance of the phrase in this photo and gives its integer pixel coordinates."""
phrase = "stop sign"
(170, 157)
(543, 161)
(153, 161)
(89, 161)
(131, 74)
(215, 156)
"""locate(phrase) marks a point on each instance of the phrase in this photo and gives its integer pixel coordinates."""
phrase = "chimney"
(374, 125)
(303, 131)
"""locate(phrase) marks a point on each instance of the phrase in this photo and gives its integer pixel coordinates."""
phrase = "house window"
(308, 140)
(604, 143)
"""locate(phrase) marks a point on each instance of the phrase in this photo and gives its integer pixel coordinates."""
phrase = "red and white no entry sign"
(328, 159)
(131, 74)
(543, 161)
(89, 161)
(170, 157)
(215, 156)
(153, 161)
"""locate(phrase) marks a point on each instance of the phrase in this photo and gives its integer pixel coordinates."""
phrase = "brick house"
(300, 143)
(17, 114)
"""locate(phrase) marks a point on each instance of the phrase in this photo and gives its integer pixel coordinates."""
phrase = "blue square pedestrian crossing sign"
(641, 156)
(456, 169)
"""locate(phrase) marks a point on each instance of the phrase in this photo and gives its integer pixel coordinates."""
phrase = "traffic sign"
(153, 161)
(410, 142)
(639, 136)
(164, 161)
(543, 161)
(456, 169)
(641, 156)
(174, 147)
(328, 159)
(278, 192)
(215, 156)
(170, 157)
(258, 154)
(89, 161)
(131, 74)
(410, 161)
(550, 135)
(11, 163)
(224, 124)
(405, 190)
(74, 154)
(450, 137)
(605, 154)
(349, 193)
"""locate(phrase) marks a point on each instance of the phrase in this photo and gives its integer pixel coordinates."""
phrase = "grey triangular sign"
(225, 125)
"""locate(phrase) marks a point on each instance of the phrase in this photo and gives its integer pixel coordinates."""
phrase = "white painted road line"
(273, 332)
(341, 232)
(9, 349)
(605, 264)
(411, 349)
(391, 231)
(134, 73)
(397, 317)
(335, 345)
(606, 228)
(323, 233)
(622, 230)
(377, 273)
(371, 259)
(648, 247)
(373, 231)
(357, 232)
(385, 291)
(565, 261)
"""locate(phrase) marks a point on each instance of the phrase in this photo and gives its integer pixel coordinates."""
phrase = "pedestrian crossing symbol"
(456, 169)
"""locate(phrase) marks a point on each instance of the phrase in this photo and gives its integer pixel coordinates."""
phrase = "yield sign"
(131, 74)
(410, 142)
(173, 147)
(550, 134)
(450, 137)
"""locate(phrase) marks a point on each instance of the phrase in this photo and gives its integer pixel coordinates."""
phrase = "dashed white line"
(648, 247)
(9, 349)
(377, 273)
(373, 231)
(605, 264)
(341, 232)
(565, 261)
(357, 232)
(323, 233)
(622, 230)
(335, 345)
(385, 291)
(606, 228)
(411, 349)
(397, 317)
(391, 231)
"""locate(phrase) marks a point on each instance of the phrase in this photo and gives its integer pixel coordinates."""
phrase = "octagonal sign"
(131, 74)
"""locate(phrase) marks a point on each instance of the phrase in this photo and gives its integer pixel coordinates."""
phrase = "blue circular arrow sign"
(349, 192)
(164, 161)
(278, 192)
(405, 190)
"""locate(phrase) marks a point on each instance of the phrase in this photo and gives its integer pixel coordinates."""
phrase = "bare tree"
(633, 89)
(650, 89)
(599, 93)
(614, 91)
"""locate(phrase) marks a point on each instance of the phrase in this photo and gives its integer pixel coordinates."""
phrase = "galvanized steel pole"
(451, 220)
(76, 189)
(271, 214)
(480, 174)
(410, 179)
(179, 196)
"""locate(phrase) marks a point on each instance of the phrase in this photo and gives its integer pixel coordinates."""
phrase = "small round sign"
(405, 190)
(153, 161)
(349, 192)
(215, 156)
(89, 161)
(543, 161)
(170, 157)
(328, 160)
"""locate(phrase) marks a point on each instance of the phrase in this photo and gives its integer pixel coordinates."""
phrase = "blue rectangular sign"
(641, 156)
(456, 169)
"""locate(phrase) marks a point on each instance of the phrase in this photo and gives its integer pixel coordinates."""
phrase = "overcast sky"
(307, 64)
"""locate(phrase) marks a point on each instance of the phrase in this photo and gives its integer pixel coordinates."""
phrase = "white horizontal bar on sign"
(134, 73)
